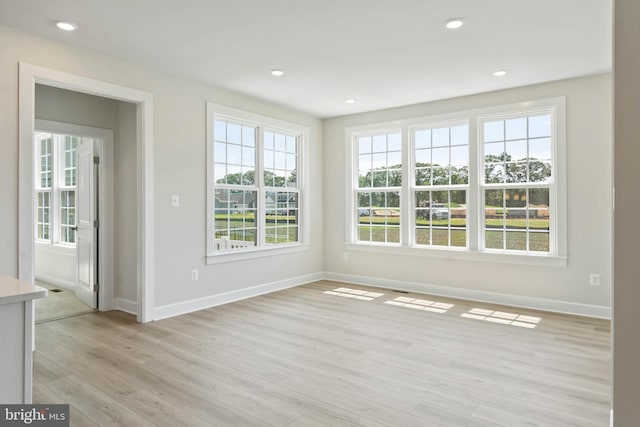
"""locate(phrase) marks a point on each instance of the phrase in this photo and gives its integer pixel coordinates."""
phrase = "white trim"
(554, 306)
(262, 123)
(125, 305)
(190, 306)
(558, 195)
(460, 254)
(61, 283)
(241, 255)
(29, 75)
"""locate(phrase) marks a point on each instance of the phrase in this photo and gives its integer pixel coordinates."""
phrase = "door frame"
(105, 199)
(29, 76)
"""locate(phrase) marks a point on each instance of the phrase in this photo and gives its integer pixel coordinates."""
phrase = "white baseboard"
(176, 309)
(564, 307)
(126, 305)
(61, 283)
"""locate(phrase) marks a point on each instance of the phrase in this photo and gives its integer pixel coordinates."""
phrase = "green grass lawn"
(518, 224)
(517, 240)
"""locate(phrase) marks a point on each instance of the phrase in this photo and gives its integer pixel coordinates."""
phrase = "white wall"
(589, 153)
(179, 164)
(626, 315)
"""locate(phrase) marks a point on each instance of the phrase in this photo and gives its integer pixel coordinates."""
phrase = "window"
(517, 182)
(55, 188)
(255, 182)
(440, 184)
(378, 189)
(475, 182)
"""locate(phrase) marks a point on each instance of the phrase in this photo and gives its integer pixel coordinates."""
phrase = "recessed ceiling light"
(350, 101)
(66, 26)
(500, 73)
(277, 73)
(454, 23)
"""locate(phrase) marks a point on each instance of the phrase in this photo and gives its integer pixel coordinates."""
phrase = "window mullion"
(475, 199)
(406, 199)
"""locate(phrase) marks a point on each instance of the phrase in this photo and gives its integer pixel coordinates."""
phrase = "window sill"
(234, 256)
(56, 248)
(461, 254)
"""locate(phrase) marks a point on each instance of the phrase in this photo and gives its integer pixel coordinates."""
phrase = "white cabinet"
(16, 339)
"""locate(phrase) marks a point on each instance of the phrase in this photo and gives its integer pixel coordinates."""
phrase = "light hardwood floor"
(58, 304)
(301, 357)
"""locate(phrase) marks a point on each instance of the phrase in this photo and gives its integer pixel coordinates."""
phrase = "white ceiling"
(382, 53)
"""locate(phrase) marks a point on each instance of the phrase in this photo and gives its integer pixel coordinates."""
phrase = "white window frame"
(55, 190)
(262, 123)
(557, 256)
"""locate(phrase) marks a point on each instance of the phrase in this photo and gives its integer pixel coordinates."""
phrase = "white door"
(87, 224)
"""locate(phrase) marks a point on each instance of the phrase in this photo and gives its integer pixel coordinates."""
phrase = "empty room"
(305, 213)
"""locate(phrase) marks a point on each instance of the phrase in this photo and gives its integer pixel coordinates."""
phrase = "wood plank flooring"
(302, 357)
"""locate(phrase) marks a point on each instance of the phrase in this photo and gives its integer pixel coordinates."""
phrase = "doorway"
(30, 76)
(73, 218)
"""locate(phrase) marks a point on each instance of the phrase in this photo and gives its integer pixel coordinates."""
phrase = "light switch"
(175, 200)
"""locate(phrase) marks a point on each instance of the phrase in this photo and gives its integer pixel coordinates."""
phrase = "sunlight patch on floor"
(502, 317)
(420, 304)
(354, 293)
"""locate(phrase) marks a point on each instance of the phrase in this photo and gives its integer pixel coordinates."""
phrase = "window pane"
(378, 217)
(67, 216)
(379, 143)
(268, 140)
(540, 126)
(280, 142)
(248, 136)
(516, 128)
(437, 215)
(540, 149)
(494, 239)
(493, 152)
(539, 242)
(440, 237)
(364, 145)
(460, 155)
(219, 130)
(516, 172)
(440, 137)
(234, 133)
(394, 142)
(516, 241)
(517, 150)
(494, 173)
(422, 138)
(539, 171)
(423, 157)
(423, 176)
(494, 131)
(460, 135)
(234, 212)
(280, 163)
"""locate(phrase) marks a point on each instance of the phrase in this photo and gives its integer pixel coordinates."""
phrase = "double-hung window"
(379, 184)
(55, 188)
(440, 184)
(473, 183)
(517, 181)
(255, 183)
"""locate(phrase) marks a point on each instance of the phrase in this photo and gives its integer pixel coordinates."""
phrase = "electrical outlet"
(194, 274)
(345, 256)
(594, 279)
